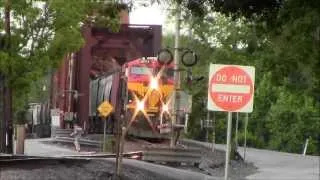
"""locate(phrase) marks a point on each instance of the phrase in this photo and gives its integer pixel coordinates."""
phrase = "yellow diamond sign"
(105, 109)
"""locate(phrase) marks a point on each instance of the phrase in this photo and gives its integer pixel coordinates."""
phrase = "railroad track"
(130, 155)
(58, 132)
(151, 154)
(12, 159)
(173, 155)
(26, 160)
(85, 142)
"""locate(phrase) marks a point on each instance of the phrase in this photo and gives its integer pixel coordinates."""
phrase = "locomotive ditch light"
(189, 58)
(140, 105)
(164, 56)
(165, 108)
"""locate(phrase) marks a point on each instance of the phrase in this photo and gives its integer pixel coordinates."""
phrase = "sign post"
(226, 170)
(213, 132)
(237, 127)
(245, 136)
(105, 109)
(230, 89)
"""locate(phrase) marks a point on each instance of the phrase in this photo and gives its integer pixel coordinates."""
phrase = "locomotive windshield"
(137, 70)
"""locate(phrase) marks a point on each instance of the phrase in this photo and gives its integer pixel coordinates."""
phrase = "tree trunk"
(2, 119)
(7, 93)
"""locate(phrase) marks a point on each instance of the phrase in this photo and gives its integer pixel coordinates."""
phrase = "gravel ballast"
(73, 170)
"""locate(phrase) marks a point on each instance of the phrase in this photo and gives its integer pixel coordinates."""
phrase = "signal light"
(165, 56)
(165, 108)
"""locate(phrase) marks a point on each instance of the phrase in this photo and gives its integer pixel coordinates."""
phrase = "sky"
(152, 15)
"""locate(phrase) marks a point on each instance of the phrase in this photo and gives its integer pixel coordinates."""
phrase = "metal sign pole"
(237, 127)
(213, 131)
(245, 136)
(228, 146)
(207, 126)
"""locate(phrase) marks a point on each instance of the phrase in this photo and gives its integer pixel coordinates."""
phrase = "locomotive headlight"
(154, 83)
(140, 105)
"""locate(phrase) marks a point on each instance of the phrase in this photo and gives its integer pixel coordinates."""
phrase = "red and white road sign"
(231, 88)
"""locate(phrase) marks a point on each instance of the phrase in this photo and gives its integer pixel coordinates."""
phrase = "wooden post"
(121, 130)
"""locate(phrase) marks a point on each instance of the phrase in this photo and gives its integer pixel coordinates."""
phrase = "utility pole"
(7, 93)
(176, 74)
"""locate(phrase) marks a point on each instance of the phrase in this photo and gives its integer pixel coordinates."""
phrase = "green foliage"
(245, 8)
(42, 33)
(252, 140)
(289, 121)
(285, 51)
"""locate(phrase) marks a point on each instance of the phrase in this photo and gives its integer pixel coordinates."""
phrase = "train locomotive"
(149, 91)
(150, 85)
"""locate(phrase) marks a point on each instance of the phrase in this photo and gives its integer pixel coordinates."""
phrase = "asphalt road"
(37, 147)
(274, 165)
(283, 166)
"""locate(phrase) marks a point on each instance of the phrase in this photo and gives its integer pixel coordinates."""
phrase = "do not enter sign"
(231, 88)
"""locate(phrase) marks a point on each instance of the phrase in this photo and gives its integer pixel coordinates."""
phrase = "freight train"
(150, 85)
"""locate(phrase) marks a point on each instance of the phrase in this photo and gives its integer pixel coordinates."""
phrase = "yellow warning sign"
(105, 109)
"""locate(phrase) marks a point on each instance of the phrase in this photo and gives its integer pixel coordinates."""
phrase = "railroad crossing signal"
(105, 109)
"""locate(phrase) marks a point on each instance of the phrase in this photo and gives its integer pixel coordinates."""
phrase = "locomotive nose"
(154, 99)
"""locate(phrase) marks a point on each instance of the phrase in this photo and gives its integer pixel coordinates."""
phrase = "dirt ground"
(212, 162)
(73, 170)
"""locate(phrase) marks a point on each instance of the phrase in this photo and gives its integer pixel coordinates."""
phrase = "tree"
(38, 35)
(285, 52)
